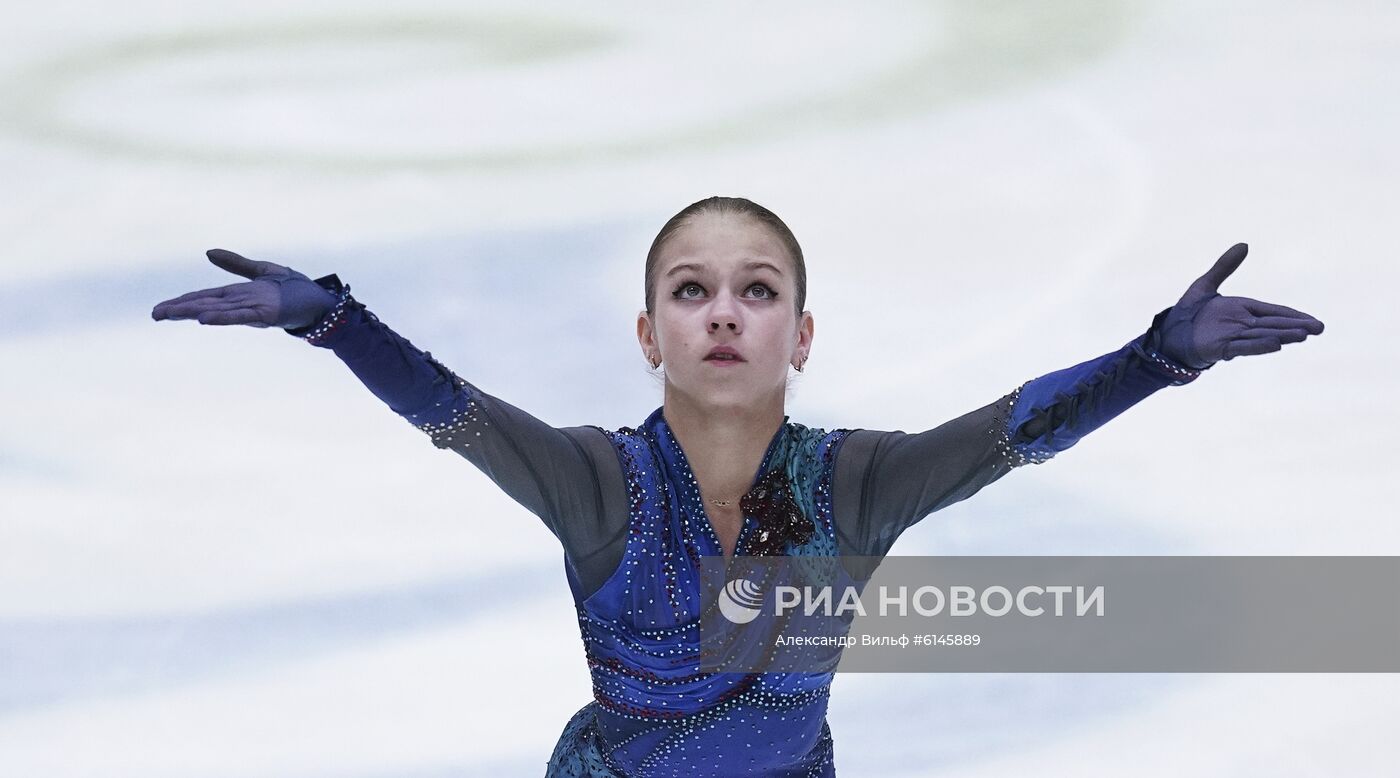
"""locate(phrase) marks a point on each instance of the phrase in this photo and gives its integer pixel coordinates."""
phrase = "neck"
(724, 446)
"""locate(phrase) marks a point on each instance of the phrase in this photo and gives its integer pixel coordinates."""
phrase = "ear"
(806, 328)
(646, 335)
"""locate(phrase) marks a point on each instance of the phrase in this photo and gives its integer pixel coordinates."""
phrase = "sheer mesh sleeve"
(886, 482)
(569, 477)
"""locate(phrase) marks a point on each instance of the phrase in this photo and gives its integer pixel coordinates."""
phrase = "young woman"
(719, 469)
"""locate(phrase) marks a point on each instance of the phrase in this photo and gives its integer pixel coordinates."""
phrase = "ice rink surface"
(221, 556)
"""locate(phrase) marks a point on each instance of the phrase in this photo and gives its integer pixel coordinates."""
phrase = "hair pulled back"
(722, 206)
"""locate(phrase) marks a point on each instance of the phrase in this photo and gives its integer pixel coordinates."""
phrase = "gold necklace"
(721, 503)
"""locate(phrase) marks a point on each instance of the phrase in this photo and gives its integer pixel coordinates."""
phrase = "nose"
(723, 315)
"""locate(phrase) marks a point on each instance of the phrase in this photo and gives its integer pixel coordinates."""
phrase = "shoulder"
(596, 442)
(593, 432)
(802, 432)
(811, 452)
(839, 444)
(629, 447)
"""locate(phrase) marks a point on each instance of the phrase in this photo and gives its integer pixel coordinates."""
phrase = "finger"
(1250, 346)
(1289, 323)
(1282, 335)
(218, 291)
(236, 263)
(1261, 308)
(235, 316)
(1276, 323)
(194, 308)
(172, 310)
(1221, 270)
(185, 310)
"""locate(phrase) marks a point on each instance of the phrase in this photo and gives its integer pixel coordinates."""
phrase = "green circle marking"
(987, 47)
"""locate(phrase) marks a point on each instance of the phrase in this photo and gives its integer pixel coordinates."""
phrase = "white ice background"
(221, 556)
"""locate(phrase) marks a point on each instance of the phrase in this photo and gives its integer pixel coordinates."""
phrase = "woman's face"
(725, 281)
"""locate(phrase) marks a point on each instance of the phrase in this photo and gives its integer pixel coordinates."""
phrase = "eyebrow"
(747, 266)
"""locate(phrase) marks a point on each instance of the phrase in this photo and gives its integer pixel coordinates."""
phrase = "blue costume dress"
(626, 507)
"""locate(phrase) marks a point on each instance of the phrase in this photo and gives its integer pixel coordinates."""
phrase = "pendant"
(772, 504)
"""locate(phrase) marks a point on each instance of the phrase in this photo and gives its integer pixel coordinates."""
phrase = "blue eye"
(683, 291)
(685, 287)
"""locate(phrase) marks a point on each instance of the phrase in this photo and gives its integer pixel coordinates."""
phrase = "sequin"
(654, 712)
(1183, 374)
(332, 320)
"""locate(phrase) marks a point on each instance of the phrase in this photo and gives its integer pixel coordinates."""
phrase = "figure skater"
(719, 469)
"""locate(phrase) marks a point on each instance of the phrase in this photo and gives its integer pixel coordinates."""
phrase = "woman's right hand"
(275, 296)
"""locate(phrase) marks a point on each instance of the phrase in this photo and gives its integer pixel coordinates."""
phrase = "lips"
(724, 354)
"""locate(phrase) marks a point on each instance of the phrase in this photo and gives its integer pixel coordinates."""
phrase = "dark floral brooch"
(780, 521)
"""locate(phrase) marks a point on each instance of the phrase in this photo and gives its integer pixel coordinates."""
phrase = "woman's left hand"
(1205, 327)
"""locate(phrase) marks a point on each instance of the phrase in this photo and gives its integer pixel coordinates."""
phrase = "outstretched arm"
(887, 481)
(569, 477)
